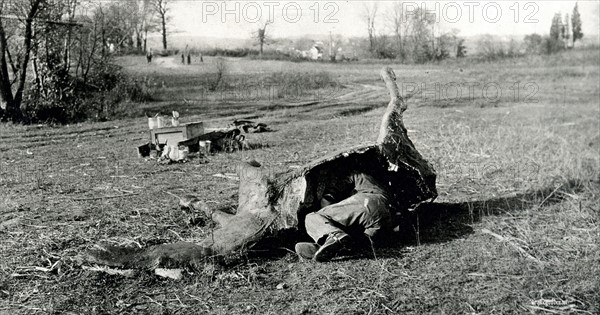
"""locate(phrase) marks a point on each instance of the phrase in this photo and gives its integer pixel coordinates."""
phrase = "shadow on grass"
(256, 146)
(443, 222)
(429, 224)
(433, 222)
(356, 111)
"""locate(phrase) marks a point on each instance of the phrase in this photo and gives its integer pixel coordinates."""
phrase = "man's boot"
(332, 246)
(306, 250)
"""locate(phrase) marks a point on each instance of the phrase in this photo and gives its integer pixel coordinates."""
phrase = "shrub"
(533, 43)
(492, 49)
(238, 52)
(552, 45)
(220, 71)
(274, 55)
(64, 99)
(536, 44)
(167, 52)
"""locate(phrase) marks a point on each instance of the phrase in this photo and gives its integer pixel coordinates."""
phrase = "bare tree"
(161, 7)
(369, 15)
(54, 33)
(396, 19)
(118, 21)
(221, 70)
(261, 36)
(88, 42)
(141, 19)
(400, 27)
(418, 40)
(128, 22)
(11, 90)
(146, 23)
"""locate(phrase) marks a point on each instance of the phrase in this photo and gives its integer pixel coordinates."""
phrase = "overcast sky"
(238, 19)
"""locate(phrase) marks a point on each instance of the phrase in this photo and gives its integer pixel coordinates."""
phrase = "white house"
(315, 53)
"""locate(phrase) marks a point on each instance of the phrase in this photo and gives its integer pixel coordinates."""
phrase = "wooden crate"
(173, 135)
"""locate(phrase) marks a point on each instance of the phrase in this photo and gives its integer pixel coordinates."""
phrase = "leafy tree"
(576, 22)
(138, 19)
(421, 37)
(513, 48)
(128, 22)
(383, 48)
(557, 29)
(304, 43)
(414, 36)
(550, 45)
(118, 24)
(555, 42)
(533, 43)
(490, 48)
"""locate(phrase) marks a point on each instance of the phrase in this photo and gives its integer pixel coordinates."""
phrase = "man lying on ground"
(366, 212)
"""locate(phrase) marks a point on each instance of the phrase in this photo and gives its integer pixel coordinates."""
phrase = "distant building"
(315, 53)
(339, 56)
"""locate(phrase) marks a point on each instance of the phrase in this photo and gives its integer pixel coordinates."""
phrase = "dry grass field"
(514, 230)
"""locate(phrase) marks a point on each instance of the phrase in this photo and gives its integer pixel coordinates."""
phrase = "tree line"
(418, 38)
(565, 31)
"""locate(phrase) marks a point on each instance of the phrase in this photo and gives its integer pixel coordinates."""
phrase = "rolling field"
(514, 229)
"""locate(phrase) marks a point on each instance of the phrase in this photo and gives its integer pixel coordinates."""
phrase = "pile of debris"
(182, 142)
(249, 126)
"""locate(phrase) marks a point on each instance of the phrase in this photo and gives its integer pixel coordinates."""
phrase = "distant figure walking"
(189, 58)
(201, 60)
(149, 56)
(182, 58)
